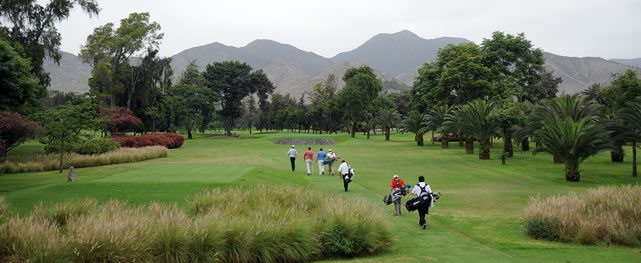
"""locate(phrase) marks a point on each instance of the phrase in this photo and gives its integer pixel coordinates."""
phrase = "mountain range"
(395, 57)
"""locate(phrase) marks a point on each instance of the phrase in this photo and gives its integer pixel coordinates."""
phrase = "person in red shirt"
(309, 158)
(397, 186)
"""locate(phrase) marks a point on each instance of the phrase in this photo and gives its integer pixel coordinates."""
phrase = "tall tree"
(436, 117)
(516, 65)
(356, 99)
(232, 81)
(109, 50)
(388, 118)
(19, 88)
(550, 84)
(630, 117)
(31, 26)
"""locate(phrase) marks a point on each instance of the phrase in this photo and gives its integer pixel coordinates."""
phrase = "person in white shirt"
(420, 189)
(331, 157)
(292, 157)
(346, 174)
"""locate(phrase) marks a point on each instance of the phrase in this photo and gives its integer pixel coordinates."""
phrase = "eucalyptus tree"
(362, 87)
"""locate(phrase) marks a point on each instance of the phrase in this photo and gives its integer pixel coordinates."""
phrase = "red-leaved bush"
(169, 140)
(14, 129)
(119, 119)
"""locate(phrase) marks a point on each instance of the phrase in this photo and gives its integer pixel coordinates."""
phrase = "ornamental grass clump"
(48, 162)
(605, 215)
(258, 224)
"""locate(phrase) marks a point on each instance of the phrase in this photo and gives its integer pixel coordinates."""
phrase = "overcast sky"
(604, 28)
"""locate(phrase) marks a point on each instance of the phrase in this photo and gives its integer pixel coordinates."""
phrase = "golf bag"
(388, 199)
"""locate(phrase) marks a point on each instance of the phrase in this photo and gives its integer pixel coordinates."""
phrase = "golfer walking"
(419, 190)
(397, 186)
(320, 157)
(292, 157)
(309, 158)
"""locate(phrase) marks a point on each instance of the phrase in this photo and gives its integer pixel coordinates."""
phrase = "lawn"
(478, 219)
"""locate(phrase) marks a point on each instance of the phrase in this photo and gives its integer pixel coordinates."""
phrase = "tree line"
(472, 93)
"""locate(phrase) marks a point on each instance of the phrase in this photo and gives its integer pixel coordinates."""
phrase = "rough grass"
(48, 162)
(258, 224)
(605, 215)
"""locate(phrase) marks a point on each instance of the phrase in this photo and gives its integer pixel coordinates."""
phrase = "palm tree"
(630, 131)
(388, 118)
(435, 118)
(416, 123)
(453, 123)
(574, 107)
(572, 140)
(476, 120)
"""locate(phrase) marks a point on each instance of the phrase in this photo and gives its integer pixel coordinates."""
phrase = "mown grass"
(271, 224)
(38, 162)
(479, 218)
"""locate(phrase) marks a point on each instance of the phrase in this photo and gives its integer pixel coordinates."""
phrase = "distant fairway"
(478, 219)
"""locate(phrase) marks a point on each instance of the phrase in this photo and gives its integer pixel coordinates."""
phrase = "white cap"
(330, 150)
(395, 176)
(293, 146)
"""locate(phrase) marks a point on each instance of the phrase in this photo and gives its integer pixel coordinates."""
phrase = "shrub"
(119, 119)
(5, 211)
(605, 215)
(169, 140)
(32, 239)
(95, 146)
(14, 129)
(48, 162)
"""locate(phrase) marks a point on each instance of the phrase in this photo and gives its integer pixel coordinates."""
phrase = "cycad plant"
(435, 118)
(388, 118)
(572, 140)
(476, 120)
(416, 123)
(630, 131)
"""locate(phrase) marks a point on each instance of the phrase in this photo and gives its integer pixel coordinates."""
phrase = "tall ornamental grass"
(605, 215)
(259, 224)
(48, 162)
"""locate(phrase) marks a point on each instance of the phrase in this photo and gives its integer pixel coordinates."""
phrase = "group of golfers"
(397, 185)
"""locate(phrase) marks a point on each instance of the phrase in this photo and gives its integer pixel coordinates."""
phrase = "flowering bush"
(14, 129)
(169, 140)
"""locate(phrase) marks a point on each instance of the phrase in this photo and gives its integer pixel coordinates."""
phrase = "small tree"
(630, 116)
(388, 118)
(63, 124)
(476, 119)
(436, 118)
(416, 123)
(573, 141)
(14, 129)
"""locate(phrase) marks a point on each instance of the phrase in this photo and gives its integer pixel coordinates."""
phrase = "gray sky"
(604, 28)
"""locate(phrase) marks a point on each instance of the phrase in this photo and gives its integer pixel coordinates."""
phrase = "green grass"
(478, 219)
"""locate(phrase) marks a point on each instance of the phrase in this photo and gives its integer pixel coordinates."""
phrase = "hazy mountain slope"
(635, 62)
(397, 53)
(70, 75)
(579, 73)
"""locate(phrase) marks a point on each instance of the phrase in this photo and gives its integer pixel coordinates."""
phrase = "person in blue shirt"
(320, 157)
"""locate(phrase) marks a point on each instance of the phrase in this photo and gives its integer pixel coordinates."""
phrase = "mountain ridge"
(394, 56)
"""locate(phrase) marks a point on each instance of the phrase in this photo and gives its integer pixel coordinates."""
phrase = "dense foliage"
(169, 140)
(14, 129)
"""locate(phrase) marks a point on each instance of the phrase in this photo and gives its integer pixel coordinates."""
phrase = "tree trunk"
(367, 133)
(461, 142)
(617, 154)
(557, 159)
(634, 159)
(353, 130)
(62, 150)
(387, 133)
(469, 145)
(3, 151)
(189, 136)
(508, 149)
(228, 125)
(433, 137)
(525, 145)
(572, 172)
(419, 139)
(484, 151)
(444, 142)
